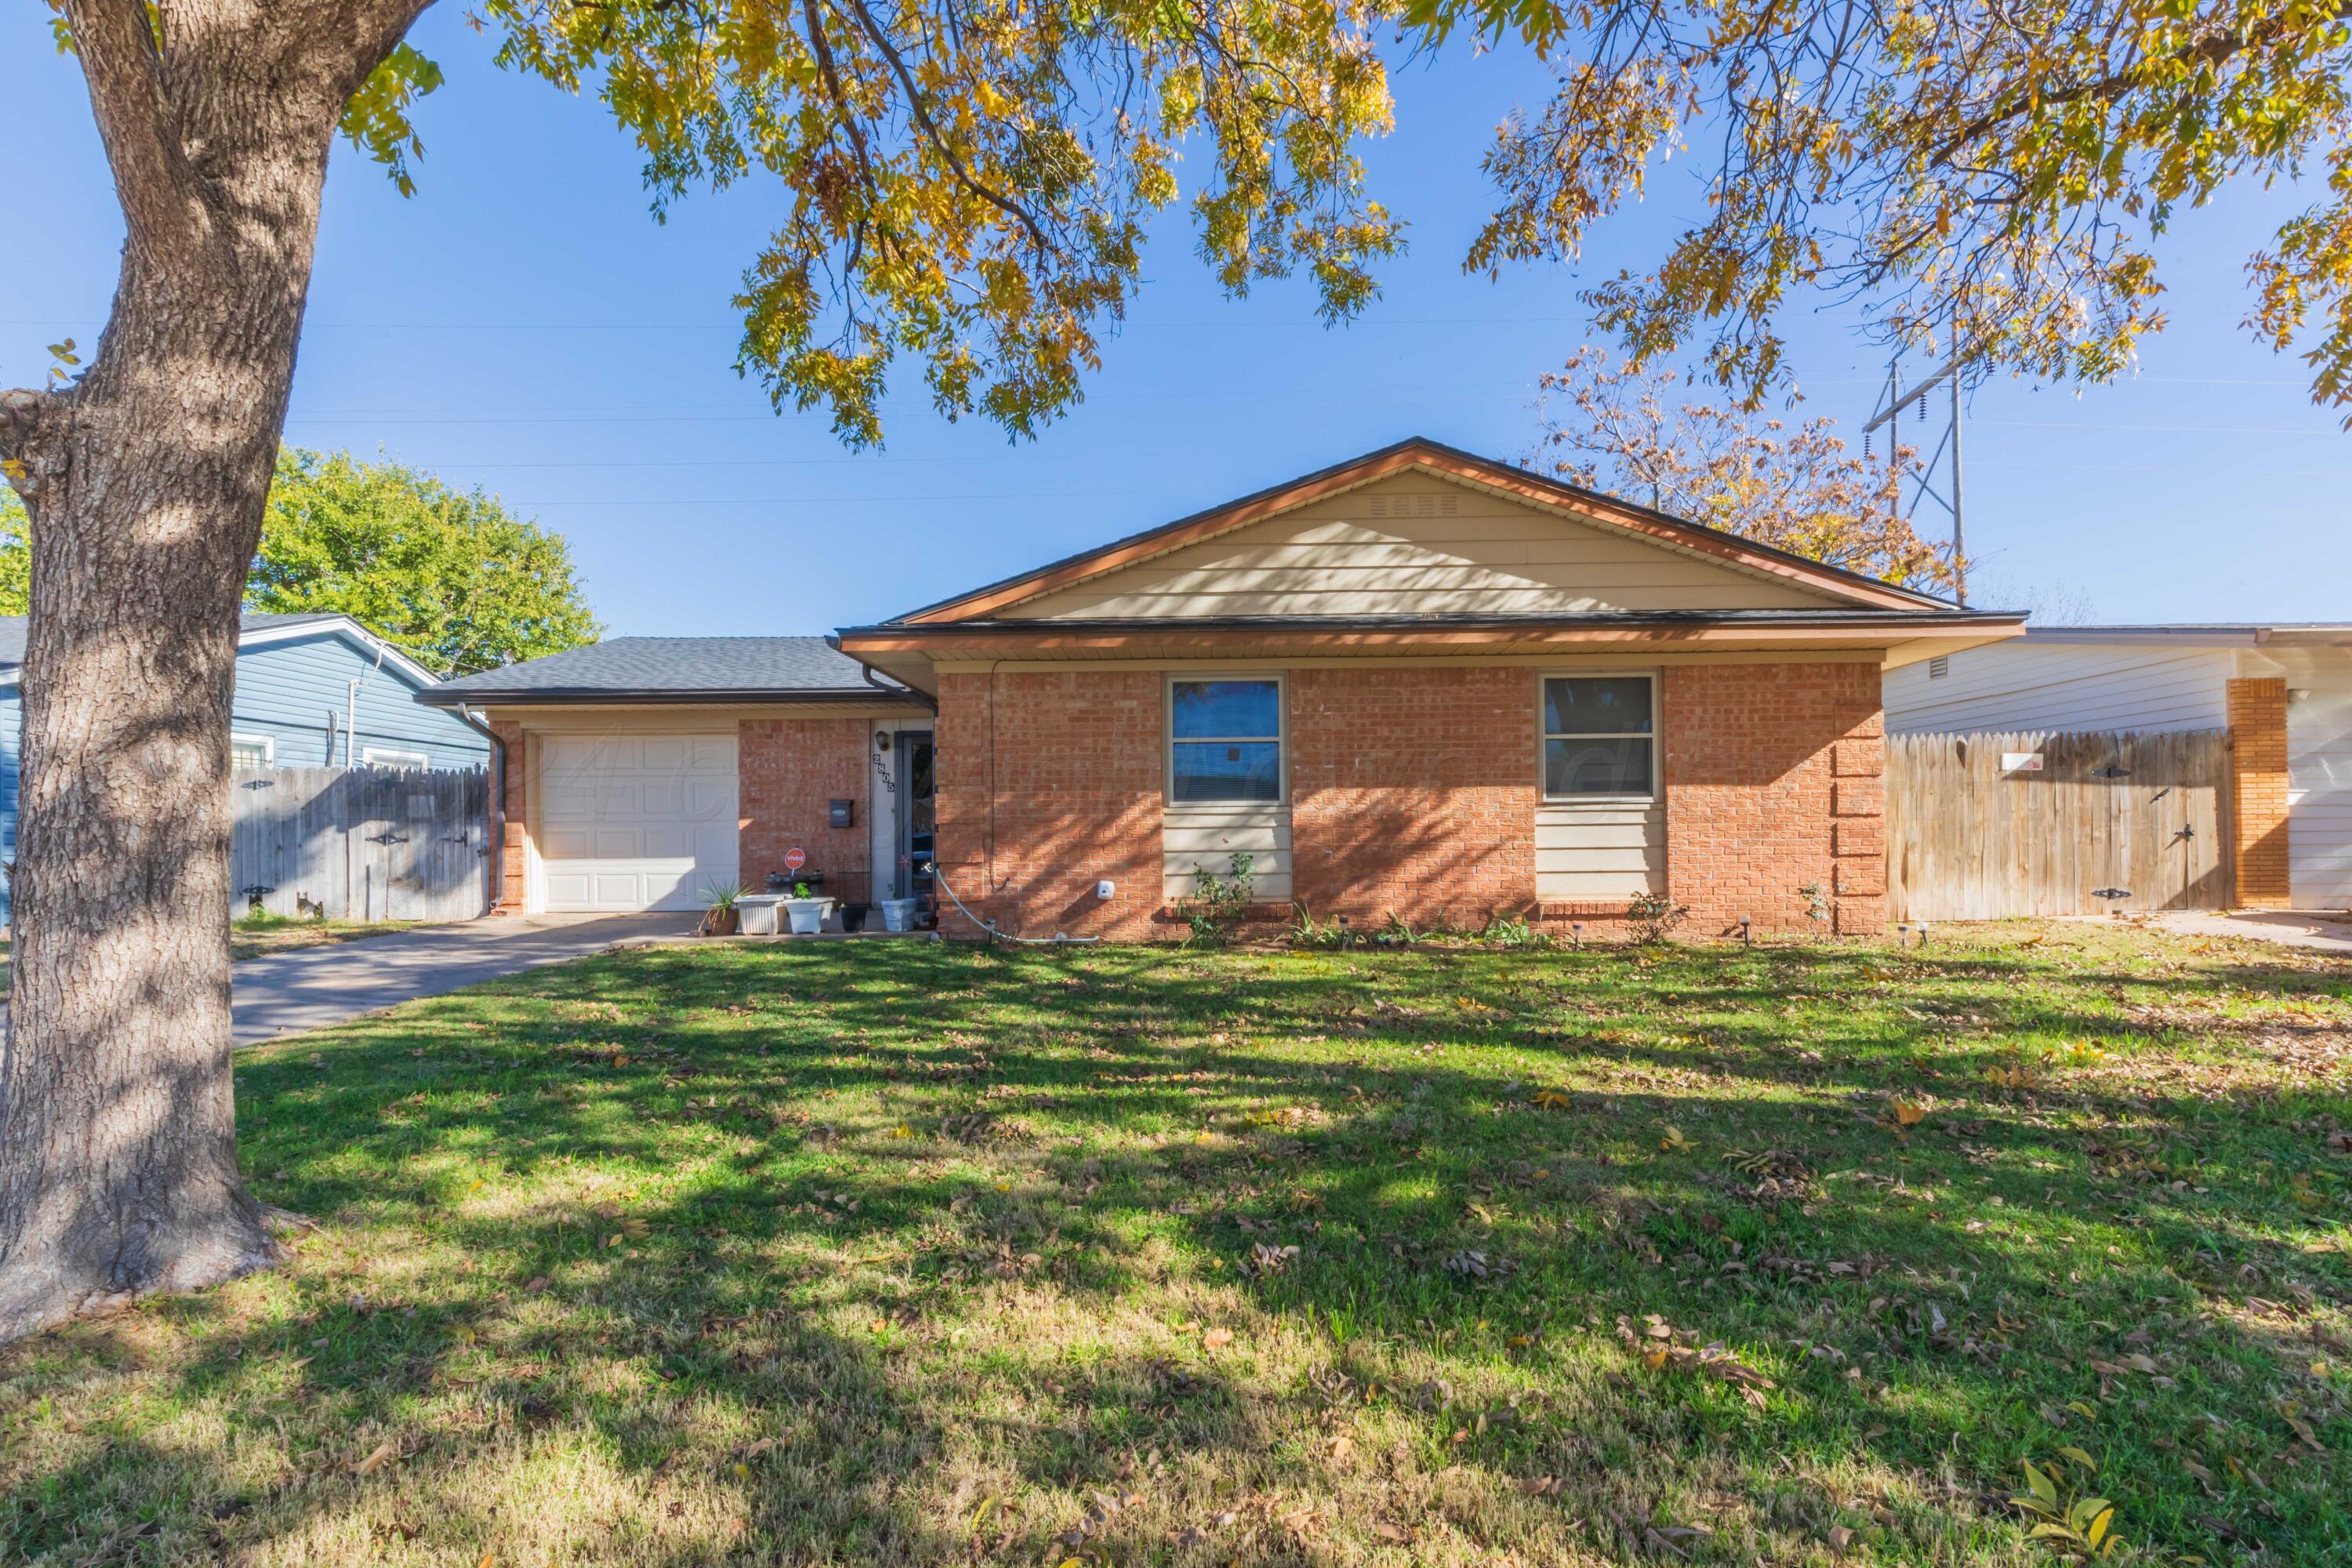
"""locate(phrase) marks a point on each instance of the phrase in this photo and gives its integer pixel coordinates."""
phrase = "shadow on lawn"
(696, 1327)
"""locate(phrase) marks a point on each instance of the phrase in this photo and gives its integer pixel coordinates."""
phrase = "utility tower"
(1942, 463)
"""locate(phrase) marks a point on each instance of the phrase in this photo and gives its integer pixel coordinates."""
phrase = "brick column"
(2258, 777)
(513, 847)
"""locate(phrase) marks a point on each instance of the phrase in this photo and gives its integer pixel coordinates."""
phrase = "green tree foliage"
(967, 185)
(1972, 171)
(455, 580)
(15, 556)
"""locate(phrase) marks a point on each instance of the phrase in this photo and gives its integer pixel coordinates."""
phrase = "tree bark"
(145, 482)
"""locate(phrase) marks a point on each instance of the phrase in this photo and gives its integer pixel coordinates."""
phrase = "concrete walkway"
(313, 987)
(2323, 931)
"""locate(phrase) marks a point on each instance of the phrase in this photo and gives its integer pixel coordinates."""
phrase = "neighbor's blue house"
(295, 700)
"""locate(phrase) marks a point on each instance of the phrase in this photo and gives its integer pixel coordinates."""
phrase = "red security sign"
(795, 858)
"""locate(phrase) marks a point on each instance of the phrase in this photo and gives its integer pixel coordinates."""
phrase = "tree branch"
(152, 177)
(922, 117)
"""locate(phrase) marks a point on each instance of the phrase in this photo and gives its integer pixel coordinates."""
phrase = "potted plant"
(720, 918)
(806, 911)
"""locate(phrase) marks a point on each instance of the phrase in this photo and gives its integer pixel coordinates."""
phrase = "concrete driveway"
(313, 987)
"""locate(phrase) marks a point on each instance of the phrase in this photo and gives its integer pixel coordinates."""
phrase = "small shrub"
(1512, 931)
(1654, 917)
(1817, 900)
(1218, 903)
(1305, 930)
(1394, 932)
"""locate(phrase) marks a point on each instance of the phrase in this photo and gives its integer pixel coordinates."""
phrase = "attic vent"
(1940, 667)
(1413, 506)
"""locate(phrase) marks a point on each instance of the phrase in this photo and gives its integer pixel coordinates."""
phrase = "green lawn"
(892, 1252)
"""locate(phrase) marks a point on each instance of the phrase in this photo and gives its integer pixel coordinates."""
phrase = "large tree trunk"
(145, 483)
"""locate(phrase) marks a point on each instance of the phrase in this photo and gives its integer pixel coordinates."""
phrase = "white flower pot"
(807, 915)
(898, 914)
(758, 913)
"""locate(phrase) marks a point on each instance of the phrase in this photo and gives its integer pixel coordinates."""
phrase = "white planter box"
(807, 915)
(757, 911)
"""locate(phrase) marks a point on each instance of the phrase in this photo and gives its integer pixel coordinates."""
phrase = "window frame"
(268, 744)
(1545, 737)
(397, 756)
(1169, 739)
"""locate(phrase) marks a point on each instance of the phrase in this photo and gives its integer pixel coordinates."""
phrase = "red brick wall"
(1074, 798)
(2259, 778)
(787, 770)
(514, 837)
(1773, 778)
(1413, 790)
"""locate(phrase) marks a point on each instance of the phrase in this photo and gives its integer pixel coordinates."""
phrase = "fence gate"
(2046, 823)
(361, 843)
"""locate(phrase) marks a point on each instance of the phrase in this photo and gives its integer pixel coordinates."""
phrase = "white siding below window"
(1599, 850)
(1195, 837)
(2026, 685)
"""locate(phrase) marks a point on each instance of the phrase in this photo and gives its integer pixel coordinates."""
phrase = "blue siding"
(12, 725)
(287, 691)
(293, 692)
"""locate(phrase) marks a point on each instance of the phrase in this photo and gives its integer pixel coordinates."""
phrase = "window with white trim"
(251, 751)
(393, 757)
(1599, 736)
(1225, 741)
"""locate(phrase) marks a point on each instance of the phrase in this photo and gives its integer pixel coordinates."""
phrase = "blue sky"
(522, 324)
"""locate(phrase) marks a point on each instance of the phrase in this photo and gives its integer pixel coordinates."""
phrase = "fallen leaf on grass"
(385, 1452)
(1841, 1537)
(1217, 1339)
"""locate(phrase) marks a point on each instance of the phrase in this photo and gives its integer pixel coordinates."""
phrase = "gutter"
(833, 641)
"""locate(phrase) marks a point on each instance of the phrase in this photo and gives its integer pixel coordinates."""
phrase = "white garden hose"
(995, 934)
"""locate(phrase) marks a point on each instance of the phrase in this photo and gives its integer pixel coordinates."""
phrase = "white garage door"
(2319, 799)
(635, 821)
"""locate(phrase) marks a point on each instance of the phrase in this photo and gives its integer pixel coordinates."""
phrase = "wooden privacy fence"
(2043, 823)
(361, 843)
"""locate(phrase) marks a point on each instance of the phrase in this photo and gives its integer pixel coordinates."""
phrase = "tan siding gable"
(1418, 545)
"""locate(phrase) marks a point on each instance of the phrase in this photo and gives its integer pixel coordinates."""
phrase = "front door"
(914, 785)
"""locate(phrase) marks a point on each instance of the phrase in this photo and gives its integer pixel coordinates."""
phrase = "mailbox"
(841, 814)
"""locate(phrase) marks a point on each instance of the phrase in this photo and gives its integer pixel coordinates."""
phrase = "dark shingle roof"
(639, 669)
(12, 631)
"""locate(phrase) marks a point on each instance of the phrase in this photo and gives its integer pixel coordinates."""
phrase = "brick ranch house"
(1418, 682)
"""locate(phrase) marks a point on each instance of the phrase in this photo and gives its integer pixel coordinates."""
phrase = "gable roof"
(1845, 589)
(652, 669)
(253, 630)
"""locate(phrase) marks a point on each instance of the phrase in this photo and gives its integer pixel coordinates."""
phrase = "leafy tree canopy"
(1979, 172)
(455, 580)
(1795, 487)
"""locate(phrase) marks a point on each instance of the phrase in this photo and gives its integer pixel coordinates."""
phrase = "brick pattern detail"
(2258, 772)
(786, 770)
(513, 847)
(1413, 790)
(1772, 778)
(1075, 798)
